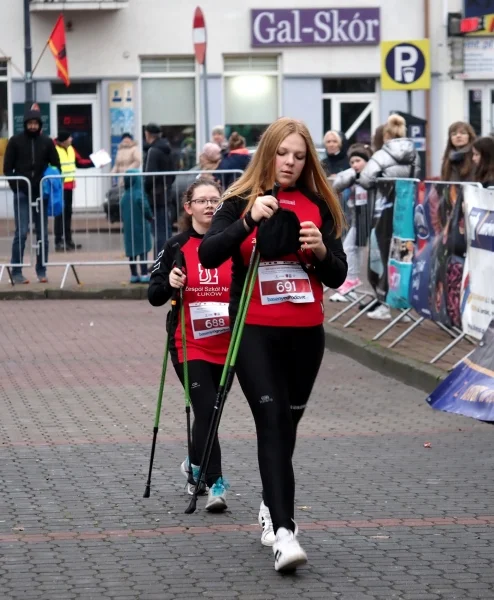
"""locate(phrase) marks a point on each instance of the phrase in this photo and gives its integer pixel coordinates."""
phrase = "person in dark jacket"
(483, 159)
(159, 160)
(336, 159)
(28, 154)
(238, 158)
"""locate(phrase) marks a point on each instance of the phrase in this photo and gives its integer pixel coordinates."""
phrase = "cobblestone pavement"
(380, 515)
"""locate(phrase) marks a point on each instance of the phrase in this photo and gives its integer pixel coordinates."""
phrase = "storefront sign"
(121, 105)
(316, 27)
(478, 57)
(477, 8)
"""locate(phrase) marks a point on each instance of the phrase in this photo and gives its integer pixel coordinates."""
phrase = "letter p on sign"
(405, 65)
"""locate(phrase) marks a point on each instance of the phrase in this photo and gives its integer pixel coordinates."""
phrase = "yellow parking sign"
(405, 65)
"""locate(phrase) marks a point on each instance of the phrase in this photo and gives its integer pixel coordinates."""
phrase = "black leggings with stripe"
(276, 368)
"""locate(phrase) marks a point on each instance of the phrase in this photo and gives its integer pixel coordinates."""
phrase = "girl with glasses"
(206, 297)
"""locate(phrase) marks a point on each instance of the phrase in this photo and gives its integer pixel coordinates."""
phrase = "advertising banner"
(121, 106)
(469, 388)
(478, 279)
(402, 245)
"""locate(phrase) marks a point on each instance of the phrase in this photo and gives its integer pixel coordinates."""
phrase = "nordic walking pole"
(147, 491)
(179, 265)
(228, 373)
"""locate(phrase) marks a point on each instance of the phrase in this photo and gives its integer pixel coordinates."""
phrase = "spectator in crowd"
(158, 187)
(136, 219)
(397, 158)
(483, 159)
(128, 156)
(218, 137)
(378, 139)
(355, 199)
(457, 160)
(336, 159)
(70, 160)
(209, 159)
(28, 154)
(238, 158)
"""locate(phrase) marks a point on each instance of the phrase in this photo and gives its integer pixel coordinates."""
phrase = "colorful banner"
(402, 245)
(477, 303)
(439, 257)
(56, 43)
(122, 116)
(380, 237)
(469, 388)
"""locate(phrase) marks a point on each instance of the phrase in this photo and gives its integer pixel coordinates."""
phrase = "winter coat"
(235, 160)
(53, 192)
(397, 158)
(159, 159)
(335, 163)
(128, 157)
(28, 156)
(136, 217)
(355, 202)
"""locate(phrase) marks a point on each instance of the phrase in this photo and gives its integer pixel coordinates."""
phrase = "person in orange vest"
(70, 160)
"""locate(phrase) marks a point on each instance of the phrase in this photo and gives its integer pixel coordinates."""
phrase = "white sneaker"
(267, 536)
(381, 313)
(184, 469)
(288, 553)
(217, 496)
(337, 297)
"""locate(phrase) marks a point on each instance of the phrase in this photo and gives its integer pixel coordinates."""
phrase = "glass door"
(79, 116)
(356, 115)
(480, 107)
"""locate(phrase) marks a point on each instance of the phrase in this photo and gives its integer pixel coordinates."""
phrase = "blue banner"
(402, 245)
(469, 388)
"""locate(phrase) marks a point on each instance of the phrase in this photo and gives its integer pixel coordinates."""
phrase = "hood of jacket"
(402, 150)
(132, 182)
(33, 115)
(127, 146)
(163, 145)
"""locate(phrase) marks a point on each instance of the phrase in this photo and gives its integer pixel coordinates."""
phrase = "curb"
(139, 292)
(407, 370)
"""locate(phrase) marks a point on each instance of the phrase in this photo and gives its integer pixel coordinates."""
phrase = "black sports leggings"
(277, 368)
(204, 380)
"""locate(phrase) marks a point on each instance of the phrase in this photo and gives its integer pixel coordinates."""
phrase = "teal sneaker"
(135, 279)
(145, 278)
(184, 468)
(217, 496)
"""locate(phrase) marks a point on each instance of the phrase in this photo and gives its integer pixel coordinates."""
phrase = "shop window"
(168, 99)
(4, 112)
(475, 109)
(357, 85)
(251, 95)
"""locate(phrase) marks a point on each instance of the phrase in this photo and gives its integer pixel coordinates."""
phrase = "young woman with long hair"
(483, 158)
(457, 160)
(205, 296)
(283, 340)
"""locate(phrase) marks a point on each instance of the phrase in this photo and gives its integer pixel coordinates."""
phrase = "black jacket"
(159, 159)
(231, 162)
(335, 163)
(227, 232)
(28, 156)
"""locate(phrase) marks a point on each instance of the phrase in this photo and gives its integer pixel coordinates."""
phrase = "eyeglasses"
(204, 201)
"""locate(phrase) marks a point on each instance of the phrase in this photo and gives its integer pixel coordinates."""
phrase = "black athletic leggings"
(204, 380)
(276, 368)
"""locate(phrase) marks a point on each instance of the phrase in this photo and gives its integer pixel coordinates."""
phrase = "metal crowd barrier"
(418, 320)
(110, 205)
(16, 215)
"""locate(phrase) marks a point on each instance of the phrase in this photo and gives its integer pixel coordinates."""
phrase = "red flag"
(56, 41)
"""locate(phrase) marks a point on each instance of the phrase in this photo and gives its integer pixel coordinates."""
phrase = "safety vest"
(67, 162)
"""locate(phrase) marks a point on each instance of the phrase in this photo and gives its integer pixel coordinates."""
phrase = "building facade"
(132, 62)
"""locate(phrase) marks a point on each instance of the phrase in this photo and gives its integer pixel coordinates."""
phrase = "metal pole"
(409, 102)
(28, 64)
(206, 102)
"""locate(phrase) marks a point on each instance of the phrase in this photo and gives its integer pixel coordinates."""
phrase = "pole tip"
(192, 506)
(147, 492)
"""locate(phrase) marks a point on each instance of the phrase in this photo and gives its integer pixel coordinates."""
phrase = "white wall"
(302, 99)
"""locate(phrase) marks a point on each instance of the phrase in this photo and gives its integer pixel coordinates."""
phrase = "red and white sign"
(199, 36)
(209, 318)
(284, 281)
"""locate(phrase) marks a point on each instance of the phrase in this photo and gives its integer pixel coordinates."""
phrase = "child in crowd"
(355, 199)
(136, 218)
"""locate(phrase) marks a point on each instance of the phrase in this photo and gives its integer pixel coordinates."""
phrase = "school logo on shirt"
(208, 276)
